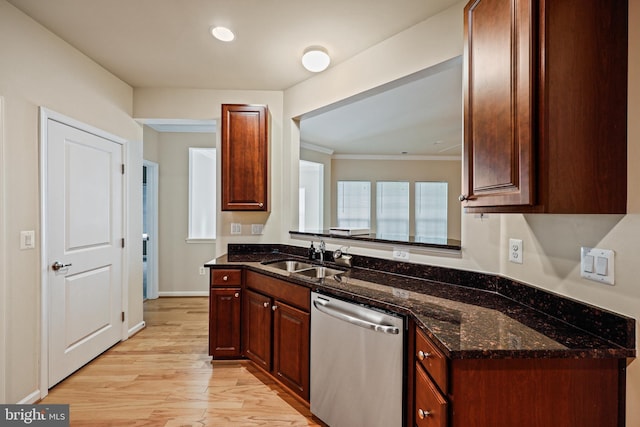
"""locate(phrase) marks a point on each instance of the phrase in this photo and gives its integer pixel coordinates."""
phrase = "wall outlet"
(203, 271)
(256, 228)
(236, 228)
(515, 251)
(402, 254)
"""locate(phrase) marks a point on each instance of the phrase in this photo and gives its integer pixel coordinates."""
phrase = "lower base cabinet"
(291, 328)
(513, 392)
(276, 327)
(224, 323)
(256, 328)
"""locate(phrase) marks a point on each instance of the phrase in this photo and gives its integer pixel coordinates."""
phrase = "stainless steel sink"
(291, 266)
(319, 272)
(305, 269)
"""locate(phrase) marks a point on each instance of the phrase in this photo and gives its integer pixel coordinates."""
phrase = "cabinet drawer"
(430, 407)
(226, 277)
(296, 295)
(432, 360)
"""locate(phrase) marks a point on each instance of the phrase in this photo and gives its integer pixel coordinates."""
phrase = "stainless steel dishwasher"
(357, 359)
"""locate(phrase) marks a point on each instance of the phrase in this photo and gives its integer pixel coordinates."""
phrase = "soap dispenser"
(312, 252)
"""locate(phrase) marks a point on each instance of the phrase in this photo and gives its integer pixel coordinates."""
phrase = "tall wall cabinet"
(545, 106)
(245, 157)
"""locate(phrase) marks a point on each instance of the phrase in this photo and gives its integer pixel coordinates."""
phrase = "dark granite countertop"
(466, 322)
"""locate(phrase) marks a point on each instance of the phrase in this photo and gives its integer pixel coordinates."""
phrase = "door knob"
(57, 266)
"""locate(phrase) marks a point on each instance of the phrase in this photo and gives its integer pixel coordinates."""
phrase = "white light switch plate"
(597, 265)
(236, 228)
(27, 239)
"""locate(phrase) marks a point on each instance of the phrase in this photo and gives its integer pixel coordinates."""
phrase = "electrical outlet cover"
(515, 251)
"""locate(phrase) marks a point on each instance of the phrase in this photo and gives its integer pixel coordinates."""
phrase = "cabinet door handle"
(260, 204)
(225, 278)
(274, 307)
(237, 294)
(423, 414)
(423, 355)
(265, 304)
(462, 198)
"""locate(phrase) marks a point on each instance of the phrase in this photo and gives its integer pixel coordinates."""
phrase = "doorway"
(83, 252)
(149, 230)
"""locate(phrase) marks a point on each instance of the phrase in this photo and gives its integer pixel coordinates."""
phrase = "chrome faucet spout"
(321, 249)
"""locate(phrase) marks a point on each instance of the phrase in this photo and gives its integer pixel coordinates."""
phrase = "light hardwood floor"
(163, 376)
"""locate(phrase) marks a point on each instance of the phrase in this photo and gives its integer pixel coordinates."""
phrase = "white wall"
(179, 261)
(551, 242)
(38, 69)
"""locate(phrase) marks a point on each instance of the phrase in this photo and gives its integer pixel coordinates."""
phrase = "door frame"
(45, 116)
(3, 264)
(152, 224)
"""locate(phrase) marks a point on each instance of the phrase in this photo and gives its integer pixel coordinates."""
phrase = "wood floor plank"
(163, 377)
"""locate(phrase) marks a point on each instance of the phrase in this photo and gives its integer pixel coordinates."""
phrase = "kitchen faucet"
(320, 250)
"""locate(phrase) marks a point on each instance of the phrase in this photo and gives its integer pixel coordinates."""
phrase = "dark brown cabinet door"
(257, 328)
(224, 323)
(291, 348)
(545, 103)
(245, 158)
(498, 103)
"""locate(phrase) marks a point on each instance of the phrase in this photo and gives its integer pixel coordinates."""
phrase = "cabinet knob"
(423, 414)
(274, 307)
(237, 294)
(265, 304)
(423, 355)
(462, 198)
(225, 278)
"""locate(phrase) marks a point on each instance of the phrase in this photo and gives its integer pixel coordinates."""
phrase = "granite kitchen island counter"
(468, 315)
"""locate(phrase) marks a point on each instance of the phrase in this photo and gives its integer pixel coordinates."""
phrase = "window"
(202, 193)
(354, 204)
(392, 210)
(431, 211)
(311, 205)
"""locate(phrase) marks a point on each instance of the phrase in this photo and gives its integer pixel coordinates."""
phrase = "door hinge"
(123, 169)
(122, 242)
(123, 316)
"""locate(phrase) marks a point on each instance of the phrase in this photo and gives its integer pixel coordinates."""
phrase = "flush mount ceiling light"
(315, 59)
(222, 33)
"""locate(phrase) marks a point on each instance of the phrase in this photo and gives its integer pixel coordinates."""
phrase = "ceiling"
(420, 115)
(166, 43)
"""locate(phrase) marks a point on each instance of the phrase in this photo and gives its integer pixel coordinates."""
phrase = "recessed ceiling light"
(315, 59)
(222, 33)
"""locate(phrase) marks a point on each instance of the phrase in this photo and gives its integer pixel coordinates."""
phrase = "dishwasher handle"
(324, 307)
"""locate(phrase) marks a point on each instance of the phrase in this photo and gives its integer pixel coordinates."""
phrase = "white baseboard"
(184, 294)
(31, 398)
(137, 328)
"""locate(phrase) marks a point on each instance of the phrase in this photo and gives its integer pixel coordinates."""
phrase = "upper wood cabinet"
(545, 106)
(245, 158)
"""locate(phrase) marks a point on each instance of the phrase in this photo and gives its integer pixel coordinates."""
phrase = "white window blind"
(431, 211)
(202, 193)
(354, 204)
(392, 210)
(311, 206)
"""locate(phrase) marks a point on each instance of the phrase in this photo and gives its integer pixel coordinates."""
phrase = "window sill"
(198, 240)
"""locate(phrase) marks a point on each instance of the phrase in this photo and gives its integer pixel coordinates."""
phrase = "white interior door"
(84, 231)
